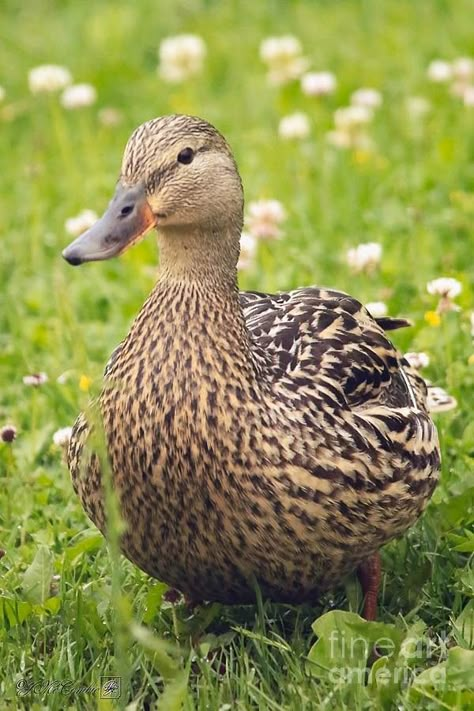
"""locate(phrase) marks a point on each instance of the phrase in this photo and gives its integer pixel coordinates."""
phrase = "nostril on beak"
(126, 210)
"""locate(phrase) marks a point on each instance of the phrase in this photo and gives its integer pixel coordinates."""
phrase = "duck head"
(178, 175)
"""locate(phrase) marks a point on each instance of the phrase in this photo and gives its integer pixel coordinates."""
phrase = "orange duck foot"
(369, 573)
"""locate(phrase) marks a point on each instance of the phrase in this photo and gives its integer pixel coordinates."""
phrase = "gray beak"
(126, 220)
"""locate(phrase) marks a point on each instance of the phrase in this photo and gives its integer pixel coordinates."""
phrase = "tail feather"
(391, 324)
(435, 399)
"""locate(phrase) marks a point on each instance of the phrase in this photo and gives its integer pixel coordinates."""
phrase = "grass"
(413, 194)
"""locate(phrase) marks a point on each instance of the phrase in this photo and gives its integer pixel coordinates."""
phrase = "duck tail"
(391, 324)
(436, 399)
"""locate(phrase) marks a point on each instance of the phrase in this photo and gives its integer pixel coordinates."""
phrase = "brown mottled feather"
(252, 436)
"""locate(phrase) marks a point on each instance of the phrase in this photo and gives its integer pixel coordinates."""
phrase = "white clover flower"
(368, 98)
(463, 68)
(318, 83)
(47, 78)
(275, 47)
(463, 75)
(78, 224)
(350, 122)
(264, 218)
(417, 106)
(3, 93)
(272, 49)
(35, 379)
(181, 57)
(439, 71)
(78, 96)
(62, 436)
(283, 57)
(468, 96)
(64, 377)
(417, 360)
(339, 139)
(294, 126)
(352, 117)
(446, 287)
(248, 251)
(458, 88)
(350, 139)
(108, 116)
(377, 309)
(365, 257)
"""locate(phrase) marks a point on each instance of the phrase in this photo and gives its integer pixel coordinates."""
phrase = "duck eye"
(186, 156)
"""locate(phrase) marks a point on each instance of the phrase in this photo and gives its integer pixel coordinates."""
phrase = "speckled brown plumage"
(277, 438)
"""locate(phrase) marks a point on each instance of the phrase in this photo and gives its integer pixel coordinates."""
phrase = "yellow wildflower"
(84, 383)
(362, 157)
(433, 318)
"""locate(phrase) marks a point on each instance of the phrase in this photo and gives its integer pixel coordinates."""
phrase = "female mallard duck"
(278, 439)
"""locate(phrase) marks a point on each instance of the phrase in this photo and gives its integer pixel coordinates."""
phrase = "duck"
(255, 441)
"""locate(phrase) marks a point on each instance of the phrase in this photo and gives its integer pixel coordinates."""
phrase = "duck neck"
(207, 257)
(198, 285)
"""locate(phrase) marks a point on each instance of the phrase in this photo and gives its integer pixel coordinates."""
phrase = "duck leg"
(191, 603)
(174, 596)
(369, 573)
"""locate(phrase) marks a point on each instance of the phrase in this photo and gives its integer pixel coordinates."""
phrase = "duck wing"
(329, 339)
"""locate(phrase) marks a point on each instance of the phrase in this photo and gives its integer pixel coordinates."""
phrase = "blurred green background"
(412, 192)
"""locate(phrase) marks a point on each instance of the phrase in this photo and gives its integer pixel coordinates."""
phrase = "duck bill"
(127, 219)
